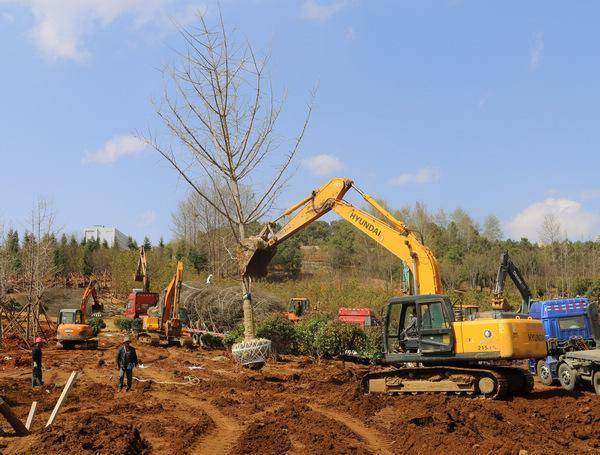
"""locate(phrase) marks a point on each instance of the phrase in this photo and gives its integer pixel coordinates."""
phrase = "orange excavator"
(163, 325)
(72, 327)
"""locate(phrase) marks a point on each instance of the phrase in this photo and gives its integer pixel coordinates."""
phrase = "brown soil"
(293, 406)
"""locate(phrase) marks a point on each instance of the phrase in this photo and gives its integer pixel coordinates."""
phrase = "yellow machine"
(72, 328)
(297, 309)
(420, 329)
(166, 328)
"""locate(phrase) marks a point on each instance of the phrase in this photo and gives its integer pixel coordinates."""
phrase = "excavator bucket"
(254, 256)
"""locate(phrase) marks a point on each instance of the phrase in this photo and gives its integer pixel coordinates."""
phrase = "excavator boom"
(90, 291)
(171, 305)
(507, 267)
(392, 234)
(141, 273)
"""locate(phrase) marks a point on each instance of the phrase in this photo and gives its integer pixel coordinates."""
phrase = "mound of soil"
(95, 434)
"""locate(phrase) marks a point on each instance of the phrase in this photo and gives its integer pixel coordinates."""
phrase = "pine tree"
(131, 244)
(147, 244)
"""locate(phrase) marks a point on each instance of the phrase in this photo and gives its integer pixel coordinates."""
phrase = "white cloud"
(349, 33)
(322, 165)
(537, 47)
(574, 220)
(315, 10)
(60, 27)
(591, 194)
(115, 148)
(423, 175)
(147, 218)
(7, 18)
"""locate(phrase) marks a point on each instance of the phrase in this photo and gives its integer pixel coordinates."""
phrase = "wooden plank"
(14, 421)
(31, 415)
(62, 398)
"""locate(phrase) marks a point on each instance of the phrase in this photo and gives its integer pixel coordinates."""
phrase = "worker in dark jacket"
(126, 360)
(36, 363)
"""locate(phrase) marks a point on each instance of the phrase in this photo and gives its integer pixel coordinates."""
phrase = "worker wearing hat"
(126, 360)
(36, 363)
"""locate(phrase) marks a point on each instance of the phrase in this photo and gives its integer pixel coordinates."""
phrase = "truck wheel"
(196, 339)
(567, 377)
(596, 381)
(544, 373)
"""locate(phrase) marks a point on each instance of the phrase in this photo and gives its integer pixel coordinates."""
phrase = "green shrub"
(280, 331)
(336, 338)
(373, 344)
(582, 285)
(594, 291)
(129, 324)
(97, 324)
(306, 331)
(234, 336)
(211, 341)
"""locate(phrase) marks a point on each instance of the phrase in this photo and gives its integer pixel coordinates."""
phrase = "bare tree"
(491, 228)
(38, 266)
(221, 109)
(5, 266)
(551, 230)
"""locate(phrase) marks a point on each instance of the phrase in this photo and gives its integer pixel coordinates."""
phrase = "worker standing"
(36, 363)
(126, 361)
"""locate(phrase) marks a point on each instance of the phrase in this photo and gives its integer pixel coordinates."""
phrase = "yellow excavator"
(431, 350)
(164, 325)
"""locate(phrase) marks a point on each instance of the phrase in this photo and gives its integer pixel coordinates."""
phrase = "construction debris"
(31, 415)
(62, 398)
(11, 417)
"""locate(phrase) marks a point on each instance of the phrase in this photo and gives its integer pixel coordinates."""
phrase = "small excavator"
(72, 327)
(163, 324)
(140, 300)
(298, 308)
(431, 351)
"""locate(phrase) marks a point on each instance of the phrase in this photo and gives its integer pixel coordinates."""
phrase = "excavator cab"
(418, 326)
(299, 306)
(68, 316)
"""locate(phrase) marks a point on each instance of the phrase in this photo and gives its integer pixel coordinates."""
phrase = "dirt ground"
(293, 406)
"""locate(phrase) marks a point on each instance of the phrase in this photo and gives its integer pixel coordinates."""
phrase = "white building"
(109, 234)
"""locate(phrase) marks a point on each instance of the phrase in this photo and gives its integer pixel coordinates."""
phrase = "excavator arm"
(141, 273)
(507, 267)
(171, 306)
(392, 234)
(90, 291)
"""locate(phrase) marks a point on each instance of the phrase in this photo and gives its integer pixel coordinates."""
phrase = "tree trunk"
(249, 329)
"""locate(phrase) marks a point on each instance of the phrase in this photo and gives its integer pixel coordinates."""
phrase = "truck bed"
(593, 355)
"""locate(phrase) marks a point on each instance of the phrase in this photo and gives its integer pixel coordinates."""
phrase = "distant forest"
(467, 252)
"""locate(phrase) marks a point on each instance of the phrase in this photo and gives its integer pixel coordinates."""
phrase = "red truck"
(362, 317)
(138, 303)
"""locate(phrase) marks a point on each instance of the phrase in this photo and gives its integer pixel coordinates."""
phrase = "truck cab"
(571, 324)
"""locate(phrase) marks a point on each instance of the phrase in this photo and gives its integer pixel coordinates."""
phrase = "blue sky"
(492, 107)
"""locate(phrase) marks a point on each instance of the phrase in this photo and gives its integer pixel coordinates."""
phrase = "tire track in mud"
(375, 441)
(221, 440)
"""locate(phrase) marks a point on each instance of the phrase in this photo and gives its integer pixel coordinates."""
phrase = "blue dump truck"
(572, 329)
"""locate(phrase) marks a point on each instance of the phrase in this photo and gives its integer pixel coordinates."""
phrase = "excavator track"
(490, 382)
